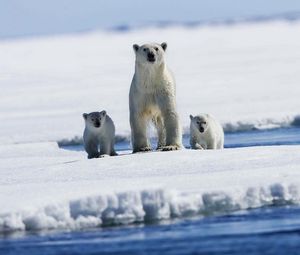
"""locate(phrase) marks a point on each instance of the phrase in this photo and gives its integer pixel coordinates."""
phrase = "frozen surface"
(45, 187)
(246, 75)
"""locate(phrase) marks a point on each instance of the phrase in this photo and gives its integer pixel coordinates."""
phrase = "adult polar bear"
(152, 97)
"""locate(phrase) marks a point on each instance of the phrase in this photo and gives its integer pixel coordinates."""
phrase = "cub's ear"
(85, 115)
(191, 117)
(103, 113)
(164, 46)
(135, 47)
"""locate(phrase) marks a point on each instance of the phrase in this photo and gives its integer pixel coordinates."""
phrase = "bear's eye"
(198, 122)
(144, 49)
(156, 48)
(204, 122)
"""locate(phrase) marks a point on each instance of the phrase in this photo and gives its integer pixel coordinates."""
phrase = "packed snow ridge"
(61, 189)
(147, 205)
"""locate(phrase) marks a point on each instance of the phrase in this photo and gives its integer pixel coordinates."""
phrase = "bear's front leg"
(173, 132)
(212, 145)
(139, 139)
(197, 146)
(170, 117)
(91, 147)
(105, 148)
(161, 132)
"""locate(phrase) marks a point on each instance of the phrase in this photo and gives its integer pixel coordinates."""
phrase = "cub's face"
(199, 122)
(150, 54)
(94, 119)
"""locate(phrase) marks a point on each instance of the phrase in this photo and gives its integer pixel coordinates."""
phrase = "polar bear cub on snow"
(152, 98)
(99, 131)
(206, 133)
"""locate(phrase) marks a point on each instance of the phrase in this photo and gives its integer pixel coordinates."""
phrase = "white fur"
(103, 136)
(152, 98)
(211, 138)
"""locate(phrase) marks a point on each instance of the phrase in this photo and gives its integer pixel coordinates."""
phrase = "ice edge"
(144, 206)
(228, 127)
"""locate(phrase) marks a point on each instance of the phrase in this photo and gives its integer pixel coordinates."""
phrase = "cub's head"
(200, 122)
(94, 119)
(150, 54)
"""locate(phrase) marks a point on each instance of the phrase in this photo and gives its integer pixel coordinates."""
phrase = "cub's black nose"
(201, 129)
(97, 123)
(151, 57)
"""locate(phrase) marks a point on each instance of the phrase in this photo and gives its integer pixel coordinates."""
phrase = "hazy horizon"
(34, 17)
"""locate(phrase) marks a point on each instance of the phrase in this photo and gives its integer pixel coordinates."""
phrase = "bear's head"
(150, 54)
(94, 120)
(200, 122)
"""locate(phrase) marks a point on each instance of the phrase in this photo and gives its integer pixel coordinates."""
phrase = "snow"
(46, 187)
(245, 75)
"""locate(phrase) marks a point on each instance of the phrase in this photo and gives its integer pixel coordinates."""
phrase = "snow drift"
(147, 205)
(60, 189)
(247, 76)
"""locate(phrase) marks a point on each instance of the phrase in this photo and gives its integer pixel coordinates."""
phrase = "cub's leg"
(112, 151)
(195, 145)
(91, 147)
(105, 148)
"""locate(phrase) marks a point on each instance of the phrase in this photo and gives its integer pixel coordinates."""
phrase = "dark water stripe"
(271, 137)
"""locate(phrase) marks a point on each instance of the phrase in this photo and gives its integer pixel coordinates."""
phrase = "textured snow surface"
(45, 187)
(245, 75)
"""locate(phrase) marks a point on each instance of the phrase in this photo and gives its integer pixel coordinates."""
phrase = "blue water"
(269, 137)
(268, 230)
(273, 230)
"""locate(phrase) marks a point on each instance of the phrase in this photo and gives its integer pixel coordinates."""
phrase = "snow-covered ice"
(45, 187)
(246, 75)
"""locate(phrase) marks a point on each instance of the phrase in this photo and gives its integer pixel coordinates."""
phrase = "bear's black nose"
(151, 57)
(97, 123)
(201, 129)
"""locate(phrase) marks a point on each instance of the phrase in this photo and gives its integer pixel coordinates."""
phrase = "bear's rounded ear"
(135, 47)
(85, 115)
(191, 117)
(103, 113)
(164, 46)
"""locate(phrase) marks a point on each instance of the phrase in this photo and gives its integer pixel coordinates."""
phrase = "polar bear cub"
(206, 133)
(99, 131)
(152, 98)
